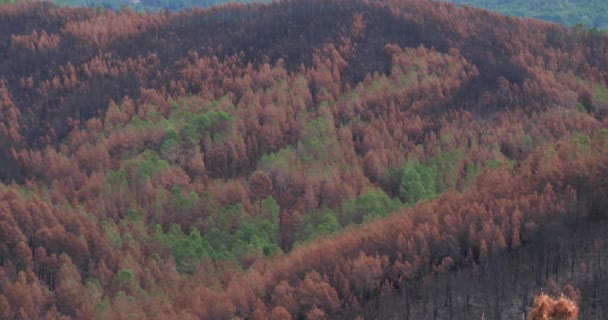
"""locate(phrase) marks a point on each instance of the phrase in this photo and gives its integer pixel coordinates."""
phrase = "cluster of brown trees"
(546, 307)
(177, 165)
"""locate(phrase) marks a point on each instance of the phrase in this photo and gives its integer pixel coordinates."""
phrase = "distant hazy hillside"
(140, 5)
(590, 13)
(152, 5)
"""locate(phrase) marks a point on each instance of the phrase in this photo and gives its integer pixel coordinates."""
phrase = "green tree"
(170, 148)
(149, 165)
(373, 204)
(417, 183)
(125, 280)
(328, 223)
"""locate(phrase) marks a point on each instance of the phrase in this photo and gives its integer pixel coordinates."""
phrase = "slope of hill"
(299, 160)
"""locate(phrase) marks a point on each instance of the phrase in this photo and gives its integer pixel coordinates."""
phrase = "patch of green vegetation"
(600, 94)
(148, 165)
(256, 236)
(317, 140)
(418, 182)
(111, 233)
(368, 206)
(281, 160)
(319, 223)
(125, 278)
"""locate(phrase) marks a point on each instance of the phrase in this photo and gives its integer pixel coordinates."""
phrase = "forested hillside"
(308, 159)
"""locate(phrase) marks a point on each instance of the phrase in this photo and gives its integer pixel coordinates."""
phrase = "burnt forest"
(301, 159)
